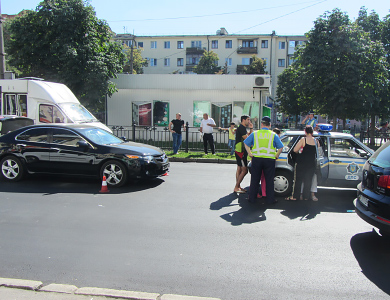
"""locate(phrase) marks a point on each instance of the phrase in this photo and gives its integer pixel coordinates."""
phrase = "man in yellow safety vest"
(266, 148)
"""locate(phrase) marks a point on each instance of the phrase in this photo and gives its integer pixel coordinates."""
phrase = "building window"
(153, 45)
(248, 44)
(140, 44)
(153, 62)
(228, 61)
(246, 61)
(281, 62)
(167, 62)
(229, 44)
(167, 45)
(282, 45)
(180, 45)
(196, 44)
(193, 59)
(264, 44)
(180, 62)
(214, 44)
(246, 108)
(222, 114)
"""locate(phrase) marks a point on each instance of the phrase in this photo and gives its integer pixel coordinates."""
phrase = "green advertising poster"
(200, 107)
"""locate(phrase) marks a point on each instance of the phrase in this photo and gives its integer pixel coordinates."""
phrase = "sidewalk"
(19, 289)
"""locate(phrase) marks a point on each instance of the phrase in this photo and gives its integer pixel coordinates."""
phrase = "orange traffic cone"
(104, 188)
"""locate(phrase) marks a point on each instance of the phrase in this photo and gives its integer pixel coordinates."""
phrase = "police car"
(340, 159)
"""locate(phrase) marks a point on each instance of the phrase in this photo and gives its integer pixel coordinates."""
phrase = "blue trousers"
(259, 165)
(177, 138)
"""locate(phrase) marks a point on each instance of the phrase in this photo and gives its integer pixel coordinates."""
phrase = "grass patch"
(201, 155)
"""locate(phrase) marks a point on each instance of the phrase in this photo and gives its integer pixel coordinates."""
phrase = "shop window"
(222, 114)
(144, 113)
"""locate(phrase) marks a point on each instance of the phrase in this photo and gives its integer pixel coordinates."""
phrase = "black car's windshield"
(100, 136)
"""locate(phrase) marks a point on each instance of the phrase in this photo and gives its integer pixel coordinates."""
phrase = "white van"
(44, 102)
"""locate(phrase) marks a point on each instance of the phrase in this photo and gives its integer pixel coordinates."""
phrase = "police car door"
(322, 159)
(345, 162)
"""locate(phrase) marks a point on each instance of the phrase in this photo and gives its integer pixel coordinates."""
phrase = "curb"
(37, 286)
(202, 160)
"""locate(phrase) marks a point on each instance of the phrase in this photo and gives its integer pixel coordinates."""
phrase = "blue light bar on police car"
(325, 127)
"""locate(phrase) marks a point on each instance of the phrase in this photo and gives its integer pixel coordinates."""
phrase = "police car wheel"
(283, 183)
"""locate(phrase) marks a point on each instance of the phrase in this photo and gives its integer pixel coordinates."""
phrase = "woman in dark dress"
(305, 165)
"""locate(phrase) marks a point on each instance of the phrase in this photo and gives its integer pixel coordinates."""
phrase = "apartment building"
(181, 53)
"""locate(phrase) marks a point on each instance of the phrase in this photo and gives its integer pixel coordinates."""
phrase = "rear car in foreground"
(372, 203)
(77, 150)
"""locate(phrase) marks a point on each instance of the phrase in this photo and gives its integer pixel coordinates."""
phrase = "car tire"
(115, 172)
(283, 183)
(12, 169)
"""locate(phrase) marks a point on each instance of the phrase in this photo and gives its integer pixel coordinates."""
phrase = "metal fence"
(192, 138)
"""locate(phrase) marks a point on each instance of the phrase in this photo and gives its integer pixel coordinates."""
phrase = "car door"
(68, 157)
(35, 149)
(345, 160)
(322, 159)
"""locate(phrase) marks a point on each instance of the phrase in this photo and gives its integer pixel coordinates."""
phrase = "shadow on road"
(372, 252)
(63, 184)
(246, 214)
(330, 200)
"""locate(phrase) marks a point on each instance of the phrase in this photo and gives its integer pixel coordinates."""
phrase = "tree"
(208, 63)
(335, 64)
(257, 66)
(138, 61)
(64, 41)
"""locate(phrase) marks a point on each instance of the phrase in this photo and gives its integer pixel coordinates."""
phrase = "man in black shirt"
(240, 151)
(176, 132)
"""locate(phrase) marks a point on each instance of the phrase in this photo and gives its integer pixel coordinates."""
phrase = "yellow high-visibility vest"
(263, 145)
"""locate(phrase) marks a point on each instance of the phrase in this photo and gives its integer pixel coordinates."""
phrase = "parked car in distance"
(77, 150)
(372, 203)
(9, 123)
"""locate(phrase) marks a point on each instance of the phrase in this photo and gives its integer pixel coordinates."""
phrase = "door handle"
(336, 161)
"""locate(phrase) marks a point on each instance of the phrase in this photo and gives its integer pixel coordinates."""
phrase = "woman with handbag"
(305, 164)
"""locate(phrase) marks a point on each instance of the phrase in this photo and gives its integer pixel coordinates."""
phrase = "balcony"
(190, 68)
(240, 69)
(194, 50)
(247, 50)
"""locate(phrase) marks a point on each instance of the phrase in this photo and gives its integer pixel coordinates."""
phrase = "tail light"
(384, 182)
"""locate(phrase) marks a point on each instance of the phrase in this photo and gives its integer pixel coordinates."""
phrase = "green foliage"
(138, 61)
(257, 66)
(342, 71)
(208, 64)
(64, 41)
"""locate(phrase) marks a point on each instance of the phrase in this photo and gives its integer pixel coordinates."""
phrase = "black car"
(373, 193)
(76, 149)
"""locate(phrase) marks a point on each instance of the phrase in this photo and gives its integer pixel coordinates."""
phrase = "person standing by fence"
(177, 124)
(232, 137)
(206, 127)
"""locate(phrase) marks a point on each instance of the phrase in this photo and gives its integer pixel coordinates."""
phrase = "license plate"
(363, 200)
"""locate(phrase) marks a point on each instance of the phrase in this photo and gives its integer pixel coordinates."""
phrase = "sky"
(204, 17)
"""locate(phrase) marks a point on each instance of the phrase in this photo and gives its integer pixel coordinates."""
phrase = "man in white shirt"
(206, 127)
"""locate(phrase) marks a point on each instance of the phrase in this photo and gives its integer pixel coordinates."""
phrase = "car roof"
(62, 125)
(319, 133)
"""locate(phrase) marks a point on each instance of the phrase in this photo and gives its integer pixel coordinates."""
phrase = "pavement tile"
(116, 293)
(181, 297)
(20, 283)
(59, 288)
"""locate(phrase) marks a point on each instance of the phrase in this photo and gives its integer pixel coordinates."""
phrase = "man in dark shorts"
(240, 152)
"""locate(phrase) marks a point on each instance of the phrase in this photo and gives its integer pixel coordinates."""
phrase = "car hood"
(139, 148)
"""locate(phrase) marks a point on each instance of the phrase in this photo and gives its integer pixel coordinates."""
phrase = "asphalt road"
(187, 234)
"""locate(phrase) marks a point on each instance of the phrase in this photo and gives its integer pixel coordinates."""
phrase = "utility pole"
(131, 54)
(2, 54)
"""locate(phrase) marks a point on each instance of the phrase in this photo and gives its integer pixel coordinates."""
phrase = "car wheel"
(115, 172)
(11, 168)
(283, 183)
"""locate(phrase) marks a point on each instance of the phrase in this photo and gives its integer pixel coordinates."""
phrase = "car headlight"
(132, 156)
(148, 159)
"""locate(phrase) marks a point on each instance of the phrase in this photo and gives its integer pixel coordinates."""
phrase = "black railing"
(161, 137)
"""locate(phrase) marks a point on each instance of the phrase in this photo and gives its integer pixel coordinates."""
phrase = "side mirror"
(83, 145)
